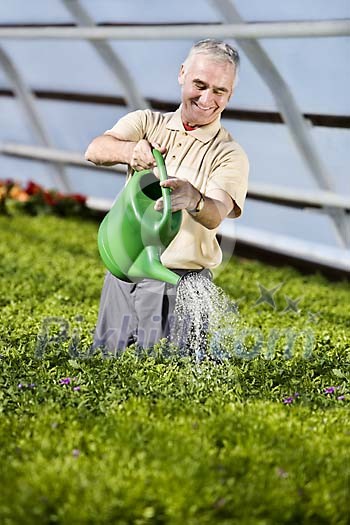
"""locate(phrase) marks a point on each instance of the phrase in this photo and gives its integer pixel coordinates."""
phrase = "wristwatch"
(200, 205)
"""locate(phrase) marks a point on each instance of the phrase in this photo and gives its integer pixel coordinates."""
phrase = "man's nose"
(207, 97)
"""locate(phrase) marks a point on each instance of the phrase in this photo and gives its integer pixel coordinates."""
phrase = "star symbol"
(313, 318)
(266, 295)
(292, 305)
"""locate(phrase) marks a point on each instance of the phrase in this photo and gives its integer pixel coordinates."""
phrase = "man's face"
(206, 89)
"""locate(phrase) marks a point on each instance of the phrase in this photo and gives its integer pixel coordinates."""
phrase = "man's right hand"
(108, 150)
(141, 155)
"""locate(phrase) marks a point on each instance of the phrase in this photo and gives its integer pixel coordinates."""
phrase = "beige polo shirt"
(209, 158)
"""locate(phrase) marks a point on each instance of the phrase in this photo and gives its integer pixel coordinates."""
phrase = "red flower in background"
(34, 199)
(49, 198)
(32, 188)
(81, 199)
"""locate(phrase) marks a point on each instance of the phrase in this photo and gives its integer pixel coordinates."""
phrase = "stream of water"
(202, 309)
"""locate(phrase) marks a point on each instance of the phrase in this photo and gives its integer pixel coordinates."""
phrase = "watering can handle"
(165, 191)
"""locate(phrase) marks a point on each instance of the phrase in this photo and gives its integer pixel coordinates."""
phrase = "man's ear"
(181, 75)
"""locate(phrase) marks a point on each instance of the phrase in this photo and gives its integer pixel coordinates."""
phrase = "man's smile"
(203, 108)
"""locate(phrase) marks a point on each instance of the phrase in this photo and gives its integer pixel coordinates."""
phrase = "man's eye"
(199, 86)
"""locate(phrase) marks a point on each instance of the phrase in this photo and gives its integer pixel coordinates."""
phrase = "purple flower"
(65, 381)
(329, 390)
(75, 452)
(341, 398)
(76, 388)
(28, 386)
(289, 400)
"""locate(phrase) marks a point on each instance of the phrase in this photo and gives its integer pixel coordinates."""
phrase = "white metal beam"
(58, 156)
(285, 195)
(299, 197)
(322, 28)
(132, 94)
(27, 100)
(315, 253)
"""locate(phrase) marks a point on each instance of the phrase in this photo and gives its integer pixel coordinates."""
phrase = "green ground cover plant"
(258, 435)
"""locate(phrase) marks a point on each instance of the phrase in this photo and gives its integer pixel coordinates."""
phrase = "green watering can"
(133, 234)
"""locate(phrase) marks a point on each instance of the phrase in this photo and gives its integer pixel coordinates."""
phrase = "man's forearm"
(212, 213)
(185, 196)
(106, 150)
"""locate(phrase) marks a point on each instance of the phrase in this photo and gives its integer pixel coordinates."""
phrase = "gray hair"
(219, 50)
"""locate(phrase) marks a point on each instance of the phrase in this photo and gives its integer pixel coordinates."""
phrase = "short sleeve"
(130, 127)
(231, 175)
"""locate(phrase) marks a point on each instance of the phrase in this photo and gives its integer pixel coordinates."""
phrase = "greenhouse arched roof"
(69, 70)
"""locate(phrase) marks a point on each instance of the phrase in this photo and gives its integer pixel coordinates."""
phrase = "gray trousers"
(139, 313)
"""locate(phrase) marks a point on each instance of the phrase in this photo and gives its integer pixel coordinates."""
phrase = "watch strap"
(199, 206)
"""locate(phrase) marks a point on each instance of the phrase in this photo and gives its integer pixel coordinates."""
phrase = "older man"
(208, 173)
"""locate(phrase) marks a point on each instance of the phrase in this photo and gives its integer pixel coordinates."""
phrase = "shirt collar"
(203, 133)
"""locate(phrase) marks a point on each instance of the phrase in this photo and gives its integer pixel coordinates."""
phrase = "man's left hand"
(184, 196)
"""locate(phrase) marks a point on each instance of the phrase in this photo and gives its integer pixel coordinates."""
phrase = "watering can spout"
(148, 265)
(133, 234)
